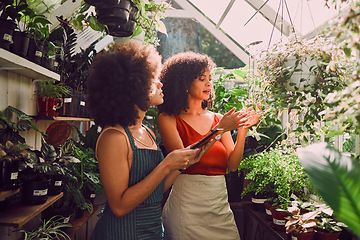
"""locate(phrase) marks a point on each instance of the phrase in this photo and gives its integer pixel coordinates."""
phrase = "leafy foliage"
(49, 229)
(51, 89)
(9, 130)
(336, 178)
(328, 67)
(276, 173)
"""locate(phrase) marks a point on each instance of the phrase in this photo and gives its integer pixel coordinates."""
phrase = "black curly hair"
(178, 72)
(119, 81)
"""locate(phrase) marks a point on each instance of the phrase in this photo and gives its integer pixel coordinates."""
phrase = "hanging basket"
(301, 76)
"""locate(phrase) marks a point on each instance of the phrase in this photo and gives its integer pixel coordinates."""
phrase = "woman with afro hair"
(122, 84)
(197, 206)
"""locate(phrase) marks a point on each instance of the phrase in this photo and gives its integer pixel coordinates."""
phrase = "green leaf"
(336, 178)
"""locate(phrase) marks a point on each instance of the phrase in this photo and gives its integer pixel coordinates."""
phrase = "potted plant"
(279, 176)
(339, 180)
(301, 226)
(10, 157)
(328, 228)
(9, 130)
(329, 71)
(49, 97)
(9, 9)
(52, 228)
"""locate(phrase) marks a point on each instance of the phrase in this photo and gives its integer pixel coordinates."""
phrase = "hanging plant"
(321, 68)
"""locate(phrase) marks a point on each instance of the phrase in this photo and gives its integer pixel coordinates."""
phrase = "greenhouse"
(180, 119)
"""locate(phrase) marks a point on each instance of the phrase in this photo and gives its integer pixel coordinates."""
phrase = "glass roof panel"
(211, 8)
(257, 29)
(306, 15)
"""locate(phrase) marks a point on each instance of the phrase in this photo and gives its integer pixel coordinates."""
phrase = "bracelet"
(217, 137)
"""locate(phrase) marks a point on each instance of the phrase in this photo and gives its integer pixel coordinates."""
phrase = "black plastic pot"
(6, 33)
(124, 29)
(116, 14)
(9, 172)
(55, 184)
(20, 44)
(35, 192)
(82, 105)
(35, 51)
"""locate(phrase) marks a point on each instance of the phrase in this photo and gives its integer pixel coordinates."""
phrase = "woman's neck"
(194, 108)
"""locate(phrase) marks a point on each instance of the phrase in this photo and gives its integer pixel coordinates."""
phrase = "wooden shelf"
(14, 63)
(5, 194)
(78, 223)
(18, 214)
(75, 119)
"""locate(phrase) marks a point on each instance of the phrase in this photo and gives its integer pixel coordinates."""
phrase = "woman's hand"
(232, 120)
(253, 116)
(181, 158)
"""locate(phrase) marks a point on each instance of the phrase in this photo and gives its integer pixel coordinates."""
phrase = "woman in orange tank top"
(197, 206)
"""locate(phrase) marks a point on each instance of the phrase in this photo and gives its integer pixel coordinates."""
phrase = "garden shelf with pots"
(18, 214)
(12, 62)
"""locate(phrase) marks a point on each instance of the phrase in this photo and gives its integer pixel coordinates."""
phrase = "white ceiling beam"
(193, 13)
(270, 15)
(229, 6)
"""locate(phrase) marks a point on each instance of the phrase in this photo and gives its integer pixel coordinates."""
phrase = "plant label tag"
(82, 103)
(14, 175)
(7, 37)
(38, 54)
(42, 192)
(294, 238)
(57, 183)
(268, 212)
(279, 222)
(92, 195)
(68, 100)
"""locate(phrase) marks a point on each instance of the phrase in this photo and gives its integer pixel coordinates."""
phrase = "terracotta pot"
(278, 216)
(268, 206)
(303, 236)
(327, 236)
(48, 106)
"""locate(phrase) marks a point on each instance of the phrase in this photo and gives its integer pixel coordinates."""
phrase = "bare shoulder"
(164, 117)
(112, 138)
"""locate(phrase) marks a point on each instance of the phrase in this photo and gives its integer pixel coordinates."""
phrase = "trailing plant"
(329, 68)
(336, 178)
(343, 109)
(49, 229)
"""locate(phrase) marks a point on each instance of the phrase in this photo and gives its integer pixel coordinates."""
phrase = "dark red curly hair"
(119, 81)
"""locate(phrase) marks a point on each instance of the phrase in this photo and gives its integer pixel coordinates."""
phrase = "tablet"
(205, 140)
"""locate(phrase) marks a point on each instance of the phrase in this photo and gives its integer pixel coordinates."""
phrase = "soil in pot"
(279, 220)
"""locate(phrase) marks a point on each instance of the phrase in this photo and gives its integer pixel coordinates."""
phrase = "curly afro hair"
(119, 82)
(178, 72)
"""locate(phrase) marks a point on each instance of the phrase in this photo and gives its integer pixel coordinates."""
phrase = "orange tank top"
(214, 160)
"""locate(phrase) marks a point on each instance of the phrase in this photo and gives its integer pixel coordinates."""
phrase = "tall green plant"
(336, 178)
